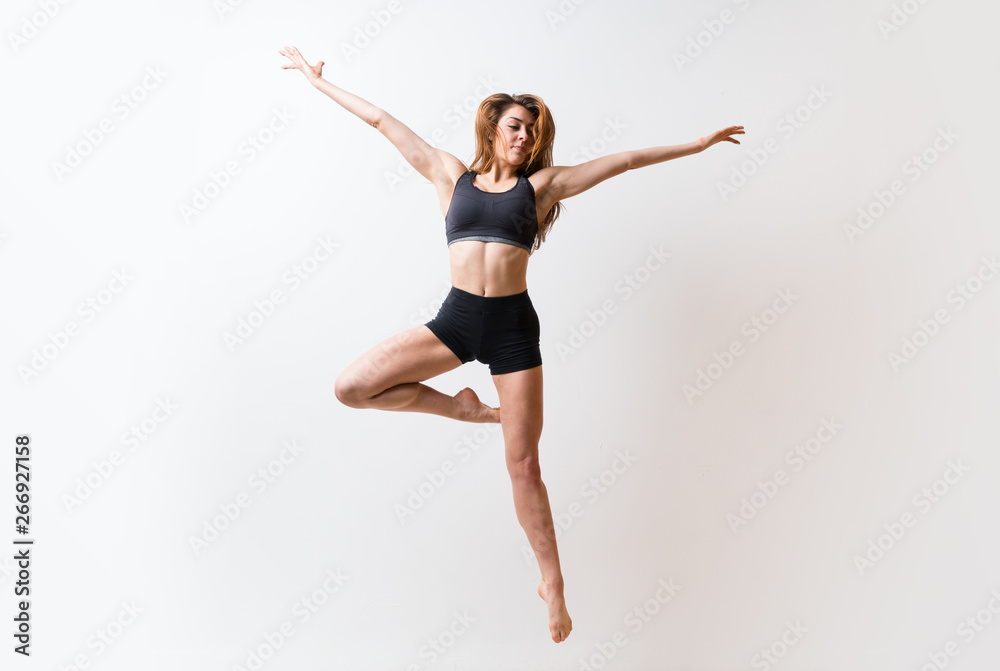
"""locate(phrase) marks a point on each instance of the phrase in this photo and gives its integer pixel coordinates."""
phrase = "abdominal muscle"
(488, 268)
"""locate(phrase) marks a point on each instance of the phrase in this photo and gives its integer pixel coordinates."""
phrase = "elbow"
(376, 117)
(631, 161)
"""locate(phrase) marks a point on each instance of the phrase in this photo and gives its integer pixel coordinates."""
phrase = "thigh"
(411, 356)
(520, 413)
(459, 326)
(511, 340)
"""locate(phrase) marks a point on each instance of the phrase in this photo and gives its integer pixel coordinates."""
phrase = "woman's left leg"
(521, 420)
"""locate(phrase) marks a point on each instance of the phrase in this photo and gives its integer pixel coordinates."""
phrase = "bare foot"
(560, 623)
(476, 410)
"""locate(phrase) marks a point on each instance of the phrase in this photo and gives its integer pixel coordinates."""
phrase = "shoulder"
(451, 169)
(457, 172)
(541, 180)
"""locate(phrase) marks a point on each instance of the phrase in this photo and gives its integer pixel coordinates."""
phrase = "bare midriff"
(488, 268)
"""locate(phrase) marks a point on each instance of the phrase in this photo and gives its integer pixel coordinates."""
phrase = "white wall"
(610, 73)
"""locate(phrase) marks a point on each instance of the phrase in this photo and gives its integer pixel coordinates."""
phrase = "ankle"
(554, 585)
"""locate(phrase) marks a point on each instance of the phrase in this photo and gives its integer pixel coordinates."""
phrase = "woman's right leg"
(388, 376)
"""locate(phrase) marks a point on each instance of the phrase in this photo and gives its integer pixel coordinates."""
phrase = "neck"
(500, 173)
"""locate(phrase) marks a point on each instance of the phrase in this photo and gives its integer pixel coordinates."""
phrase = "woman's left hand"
(718, 136)
(312, 72)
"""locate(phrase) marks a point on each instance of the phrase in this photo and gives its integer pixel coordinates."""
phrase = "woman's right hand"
(312, 72)
(720, 135)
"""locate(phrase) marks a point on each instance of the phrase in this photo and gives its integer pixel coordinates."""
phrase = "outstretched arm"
(562, 182)
(425, 159)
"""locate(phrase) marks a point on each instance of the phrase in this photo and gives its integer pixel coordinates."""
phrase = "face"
(515, 140)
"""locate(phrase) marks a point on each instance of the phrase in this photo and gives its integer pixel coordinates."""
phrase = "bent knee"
(349, 392)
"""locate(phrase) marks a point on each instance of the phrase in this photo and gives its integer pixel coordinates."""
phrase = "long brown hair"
(544, 133)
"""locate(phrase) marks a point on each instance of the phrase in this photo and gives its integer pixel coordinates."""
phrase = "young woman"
(497, 212)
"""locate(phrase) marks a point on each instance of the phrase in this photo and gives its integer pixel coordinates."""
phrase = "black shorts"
(502, 331)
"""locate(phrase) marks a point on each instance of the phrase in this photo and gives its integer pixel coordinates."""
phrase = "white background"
(614, 384)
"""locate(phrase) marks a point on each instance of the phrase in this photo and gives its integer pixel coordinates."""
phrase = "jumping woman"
(497, 212)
